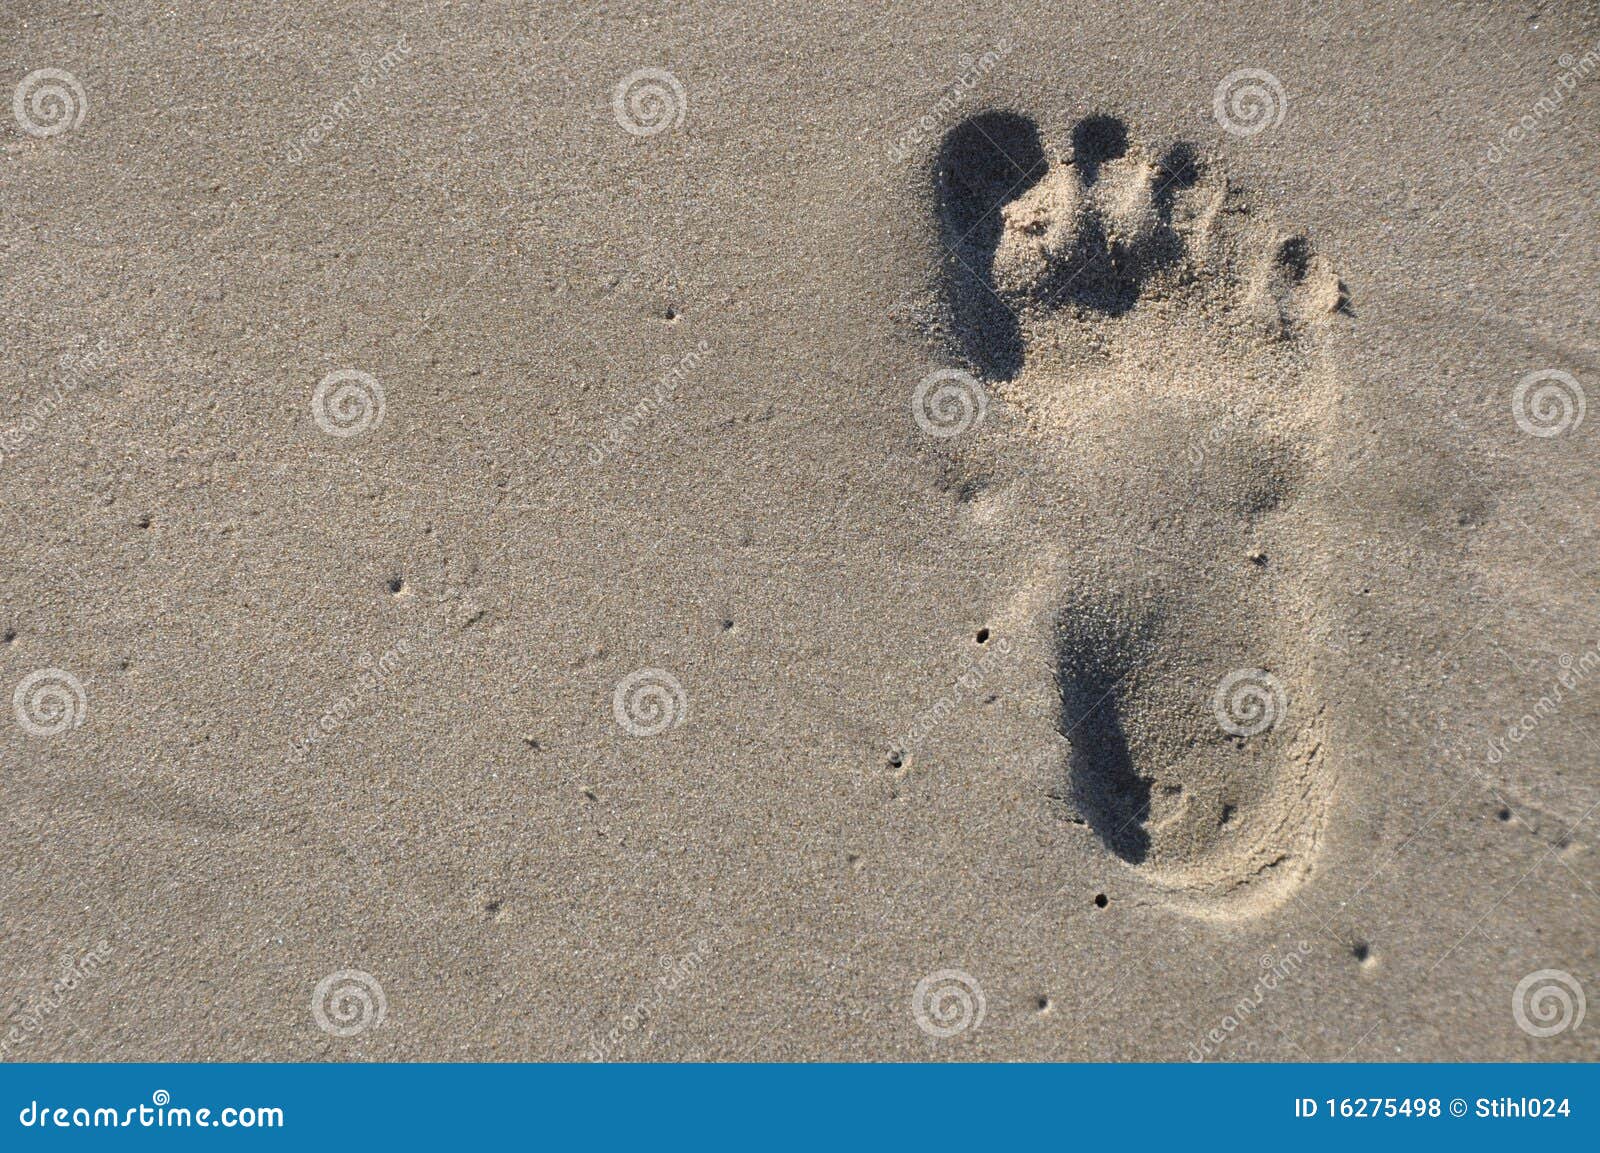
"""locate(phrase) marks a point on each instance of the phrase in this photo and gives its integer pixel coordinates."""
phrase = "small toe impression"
(1095, 141)
(1296, 287)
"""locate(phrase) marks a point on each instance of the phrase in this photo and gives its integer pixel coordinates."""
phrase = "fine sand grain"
(733, 531)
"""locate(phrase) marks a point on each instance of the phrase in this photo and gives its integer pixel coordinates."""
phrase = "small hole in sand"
(1361, 951)
(492, 906)
(1503, 815)
(1101, 900)
(983, 636)
(10, 637)
(1043, 1004)
(896, 760)
(395, 585)
(727, 624)
(671, 314)
(1227, 814)
(142, 521)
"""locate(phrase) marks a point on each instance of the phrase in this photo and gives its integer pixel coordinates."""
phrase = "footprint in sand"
(1164, 355)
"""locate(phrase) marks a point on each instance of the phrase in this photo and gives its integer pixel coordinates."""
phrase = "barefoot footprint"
(1165, 353)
